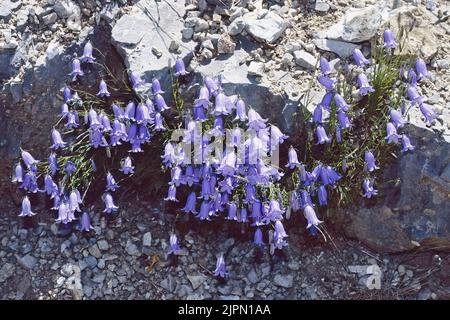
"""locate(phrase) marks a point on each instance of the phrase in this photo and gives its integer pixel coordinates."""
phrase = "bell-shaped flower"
(344, 122)
(109, 203)
(325, 66)
(26, 208)
(104, 120)
(326, 101)
(295, 201)
(72, 120)
(103, 89)
(57, 140)
(396, 118)
(64, 110)
(275, 212)
(220, 104)
(359, 58)
(18, 173)
(326, 82)
(322, 135)
(85, 223)
(414, 95)
(204, 213)
(64, 214)
(76, 70)
(240, 111)
(174, 247)
(127, 166)
(52, 164)
(118, 112)
(340, 102)
(317, 116)
(429, 114)
(87, 53)
(50, 187)
(171, 194)
(111, 184)
(180, 69)
(412, 77)
(232, 211)
(30, 182)
(255, 121)
(391, 133)
(70, 167)
(97, 139)
(74, 201)
(421, 69)
(156, 87)
(369, 159)
(368, 188)
(389, 39)
(322, 195)
(67, 95)
(292, 159)
(94, 122)
(364, 86)
(311, 217)
(258, 238)
(191, 203)
(276, 135)
(279, 235)
(203, 98)
(221, 269)
(161, 103)
(136, 81)
(211, 85)
(159, 126)
(406, 144)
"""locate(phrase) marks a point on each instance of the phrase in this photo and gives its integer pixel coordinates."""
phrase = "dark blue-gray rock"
(28, 261)
(64, 8)
(152, 24)
(415, 212)
(91, 262)
(6, 271)
(285, 281)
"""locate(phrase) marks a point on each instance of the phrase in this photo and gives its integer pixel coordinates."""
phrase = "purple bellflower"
(369, 191)
(76, 70)
(161, 103)
(311, 217)
(396, 118)
(325, 66)
(364, 86)
(322, 195)
(326, 82)
(191, 203)
(389, 39)
(429, 114)
(111, 184)
(109, 203)
(26, 208)
(85, 224)
(322, 135)
(136, 81)
(221, 269)
(340, 102)
(52, 164)
(18, 173)
(57, 140)
(174, 247)
(127, 166)
(87, 53)
(156, 87)
(421, 69)
(292, 159)
(103, 89)
(391, 133)
(67, 95)
(258, 238)
(28, 159)
(369, 158)
(180, 69)
(359, 58)
(172, 194)
(414, 95)
(279, 235)
(406, 144)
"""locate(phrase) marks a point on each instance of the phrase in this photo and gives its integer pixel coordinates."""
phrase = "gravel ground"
(125, 258)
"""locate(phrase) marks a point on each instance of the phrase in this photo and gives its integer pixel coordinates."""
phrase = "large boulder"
(143, 37)
(415, 212)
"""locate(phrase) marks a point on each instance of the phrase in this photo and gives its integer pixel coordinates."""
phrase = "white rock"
(305, 60)
(267, 29)
(256, 69)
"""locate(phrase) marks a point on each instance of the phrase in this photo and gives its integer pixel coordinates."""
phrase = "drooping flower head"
(111, 184)
(293, 159)
(18, 173)
(389, 39)
(325, 66)
(180, 69)
(85, 224)
(406, 144)
(127, 166)
(326, 82)
(87, 53)
(368, 188)
(156, 87)
(221, 269)
(52, 164)
(136, 81)
(391, 133)
(28, 159)
(172, 194)
(67, 95)
(397, 118)
(311, 216)
(26, 208)
(240, 110)
(109, 203)
(76, 70)
(364, 86)
(429, 114)
(421, 69)
(161, 103)
(369, 158)
(174, 247)
(51, 188)
(191, 203)
(340, 102)
(359, 58)
(414, 95)
(57, 140)
(322, 135)
(103, 89)
(322, 195)
(279, 235)
(317, 114)
(258, 238)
